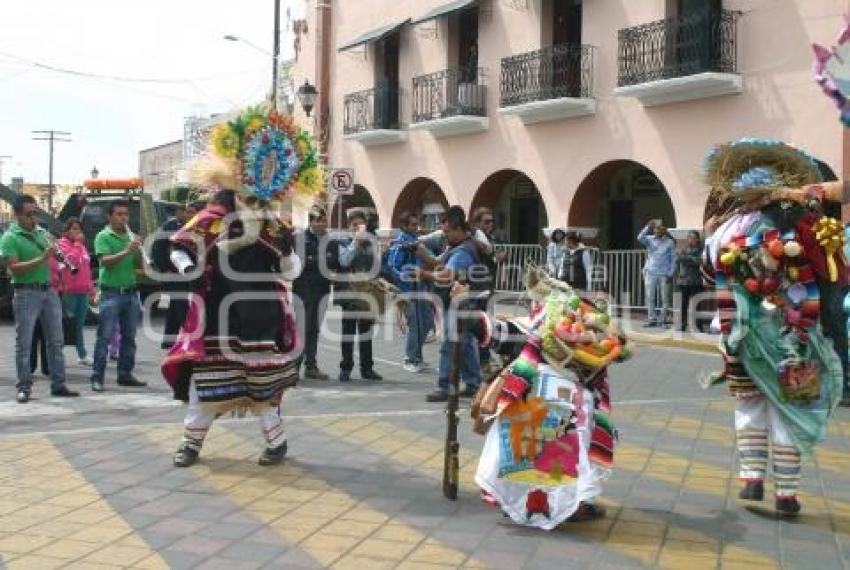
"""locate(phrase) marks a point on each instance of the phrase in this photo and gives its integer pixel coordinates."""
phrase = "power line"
(124, 78)
(51, 136)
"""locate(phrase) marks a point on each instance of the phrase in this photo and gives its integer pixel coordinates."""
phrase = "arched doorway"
(519, 210)
(360, 200)
(616, 199)
(424, 197)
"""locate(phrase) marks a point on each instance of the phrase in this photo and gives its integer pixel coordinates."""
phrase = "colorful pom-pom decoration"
(275, 157)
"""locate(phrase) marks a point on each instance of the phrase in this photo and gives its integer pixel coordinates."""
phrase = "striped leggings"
(756, 420)
(198, 421)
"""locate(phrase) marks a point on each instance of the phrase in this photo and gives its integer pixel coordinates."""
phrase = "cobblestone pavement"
(88, 483)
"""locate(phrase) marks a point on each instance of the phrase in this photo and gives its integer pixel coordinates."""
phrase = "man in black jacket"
(356, 255)
(313, 286)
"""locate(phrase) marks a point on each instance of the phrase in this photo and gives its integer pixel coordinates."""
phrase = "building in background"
(162, 167)
(560, 113)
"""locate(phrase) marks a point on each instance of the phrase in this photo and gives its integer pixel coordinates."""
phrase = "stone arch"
(613, 202)
(520, 212)
(424, 197)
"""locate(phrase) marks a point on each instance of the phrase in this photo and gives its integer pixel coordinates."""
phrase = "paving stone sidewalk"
(89, 483)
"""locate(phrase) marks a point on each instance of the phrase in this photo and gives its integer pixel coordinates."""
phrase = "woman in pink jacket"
(77, 288)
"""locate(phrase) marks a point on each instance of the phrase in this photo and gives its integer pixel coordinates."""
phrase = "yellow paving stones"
(817, 511)
(827, 459)
(36, 562)
(323, 521)
(648, 547)
(68, 549)
(60, 520)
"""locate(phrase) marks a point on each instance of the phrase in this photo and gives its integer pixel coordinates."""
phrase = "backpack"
(476, 285)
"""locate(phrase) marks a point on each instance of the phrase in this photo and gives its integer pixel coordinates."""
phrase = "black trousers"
(175, 316)
(39, 345)
(362, 329)
(688, 292)
(315, 301)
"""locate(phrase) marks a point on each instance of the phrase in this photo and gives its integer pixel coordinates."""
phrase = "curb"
(687, 344)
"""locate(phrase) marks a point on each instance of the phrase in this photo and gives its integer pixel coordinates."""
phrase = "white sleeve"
(290, 267)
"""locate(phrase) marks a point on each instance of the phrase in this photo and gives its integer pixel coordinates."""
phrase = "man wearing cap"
(26, 248)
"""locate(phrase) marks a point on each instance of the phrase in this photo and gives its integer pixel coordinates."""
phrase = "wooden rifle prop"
(451, 458)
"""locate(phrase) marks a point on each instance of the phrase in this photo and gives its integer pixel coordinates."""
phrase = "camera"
(371, 223)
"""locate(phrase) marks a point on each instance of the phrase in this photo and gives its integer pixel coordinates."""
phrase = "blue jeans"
(77, 304)
(470, 367)
(30, 305)
(657, 297)
(420, 320)
(123, 310)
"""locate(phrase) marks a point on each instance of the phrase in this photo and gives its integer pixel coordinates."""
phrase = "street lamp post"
(275, 55)
(307, 96)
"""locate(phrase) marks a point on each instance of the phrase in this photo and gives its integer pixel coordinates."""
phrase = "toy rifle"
(451, 460)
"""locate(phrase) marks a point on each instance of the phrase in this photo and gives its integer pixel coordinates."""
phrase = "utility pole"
(3, 158)
(51, 137)
(275, 52)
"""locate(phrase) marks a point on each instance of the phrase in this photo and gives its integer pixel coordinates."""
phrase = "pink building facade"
(588, 114)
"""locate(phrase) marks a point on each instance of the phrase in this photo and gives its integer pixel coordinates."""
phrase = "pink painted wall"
(780, 101)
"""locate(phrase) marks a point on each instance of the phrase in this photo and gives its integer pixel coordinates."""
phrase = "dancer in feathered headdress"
(772, 255)
(236, 351)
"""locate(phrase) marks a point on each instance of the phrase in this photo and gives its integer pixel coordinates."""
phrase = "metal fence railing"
(618, 273)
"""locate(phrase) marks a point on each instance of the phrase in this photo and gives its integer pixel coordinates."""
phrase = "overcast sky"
(110, 120)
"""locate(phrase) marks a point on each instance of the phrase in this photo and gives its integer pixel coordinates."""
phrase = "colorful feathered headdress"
(750, 167)
(262, 154)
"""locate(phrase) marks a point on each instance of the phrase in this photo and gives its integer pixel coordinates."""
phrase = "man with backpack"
(401, 263)
(460, 263)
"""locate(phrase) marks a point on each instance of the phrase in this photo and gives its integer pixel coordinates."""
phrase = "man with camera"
(26, 248)
(356, 255)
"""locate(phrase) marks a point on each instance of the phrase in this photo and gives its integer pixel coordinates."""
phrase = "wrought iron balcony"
(561, 71)
(449, 93)
(372, 109)
(678, 47)
(373, 116)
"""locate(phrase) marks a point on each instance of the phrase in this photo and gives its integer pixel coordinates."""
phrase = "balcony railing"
(550, 73)
(678, 47)
(449, 93)
(372, 109)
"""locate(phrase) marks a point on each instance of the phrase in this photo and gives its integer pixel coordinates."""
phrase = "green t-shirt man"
(122, 274)
(26, 245)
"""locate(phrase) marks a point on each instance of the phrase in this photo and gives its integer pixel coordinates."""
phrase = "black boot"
(787, 506)
(272, 456)
(185, 457)
(370, 374)
(753, 491)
